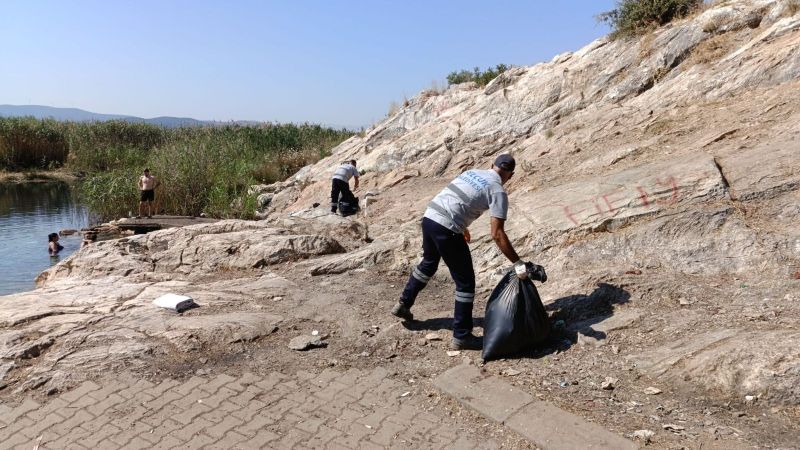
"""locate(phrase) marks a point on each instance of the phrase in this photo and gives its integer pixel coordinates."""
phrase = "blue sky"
(333, 62)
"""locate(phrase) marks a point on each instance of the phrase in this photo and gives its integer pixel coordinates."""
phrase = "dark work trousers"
(339, 187)
(438, 243)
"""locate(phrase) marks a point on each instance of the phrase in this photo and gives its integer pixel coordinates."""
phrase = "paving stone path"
(333, 409)
(544, 424)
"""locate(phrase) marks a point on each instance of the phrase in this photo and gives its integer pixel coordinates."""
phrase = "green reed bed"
(201, 169)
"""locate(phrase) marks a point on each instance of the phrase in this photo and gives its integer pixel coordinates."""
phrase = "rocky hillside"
(668, 164)
(657, 181)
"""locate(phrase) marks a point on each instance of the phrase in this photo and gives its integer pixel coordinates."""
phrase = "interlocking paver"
(229, 441)
(198, 441)
(196, 427)
(83, 389)
(168, 442)
(64, 440)
(260, 440)
(217, 382)
(98, 435)
(41, 425)
(259, 422)
(247, 413)
(350, 409)
(227, 424)
(101, 407)
(218, 397)
(386, 433)
(246, 396)
(164, 427)
(138, 389)
(322, 437)
(106, 390)
(291, 438)
(14, 441)
(270, 380)
(21, 410)
(190, 413)
(5, 410)
(189, 385)
(162, 400)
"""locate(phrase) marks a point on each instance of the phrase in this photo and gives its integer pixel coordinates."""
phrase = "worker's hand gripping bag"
(515, 319)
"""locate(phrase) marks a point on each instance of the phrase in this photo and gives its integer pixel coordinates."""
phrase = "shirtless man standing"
(147, 186)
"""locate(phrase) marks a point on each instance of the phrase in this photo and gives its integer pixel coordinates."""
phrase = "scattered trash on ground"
(433, 337)
(175, 302)
(673, 427)
(609, 383)
(644, 435)
(302, 343)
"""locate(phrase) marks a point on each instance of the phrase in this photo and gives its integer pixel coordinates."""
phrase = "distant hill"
(80, 115)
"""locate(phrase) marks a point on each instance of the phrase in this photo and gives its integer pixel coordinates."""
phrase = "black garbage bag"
(349, 207)
(515, 319)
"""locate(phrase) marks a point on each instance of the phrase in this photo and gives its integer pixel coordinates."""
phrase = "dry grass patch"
(792, 8)
(712, 50)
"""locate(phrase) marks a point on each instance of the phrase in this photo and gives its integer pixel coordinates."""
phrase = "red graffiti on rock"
(661, 192)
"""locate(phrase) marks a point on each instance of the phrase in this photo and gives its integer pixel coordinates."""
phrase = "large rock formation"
(663, 169)
(674, 156)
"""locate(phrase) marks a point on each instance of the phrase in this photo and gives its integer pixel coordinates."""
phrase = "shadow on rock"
(580, 312)
(439, 323)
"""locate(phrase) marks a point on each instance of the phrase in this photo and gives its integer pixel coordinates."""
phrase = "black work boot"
(402, 311)
(468, 342)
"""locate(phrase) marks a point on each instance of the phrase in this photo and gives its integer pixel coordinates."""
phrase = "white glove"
(521, 270)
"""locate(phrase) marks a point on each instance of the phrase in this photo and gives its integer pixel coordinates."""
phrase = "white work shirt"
(466, 198)
(345, 172)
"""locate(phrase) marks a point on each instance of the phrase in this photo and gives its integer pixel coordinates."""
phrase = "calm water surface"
(28, 213)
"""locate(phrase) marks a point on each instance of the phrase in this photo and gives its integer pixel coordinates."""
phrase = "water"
(28, 213)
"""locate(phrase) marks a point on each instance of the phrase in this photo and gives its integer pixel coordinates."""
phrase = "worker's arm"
(139, 183)
(356, 185)
(501, 239)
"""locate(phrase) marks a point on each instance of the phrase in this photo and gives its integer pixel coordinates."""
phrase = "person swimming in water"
(53, 247)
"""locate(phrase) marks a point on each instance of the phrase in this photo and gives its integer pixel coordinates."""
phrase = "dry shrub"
(792, 8)
(712, 50)
(281, 166)
(646, 46)
(28, 143)
(394, 108)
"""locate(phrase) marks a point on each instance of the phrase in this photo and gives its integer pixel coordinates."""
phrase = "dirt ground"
(353, 310)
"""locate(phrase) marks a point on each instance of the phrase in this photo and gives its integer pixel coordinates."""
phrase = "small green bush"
(632, 17)
(481, 78)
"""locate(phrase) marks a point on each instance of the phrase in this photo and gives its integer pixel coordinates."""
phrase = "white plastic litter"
(174, 302)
